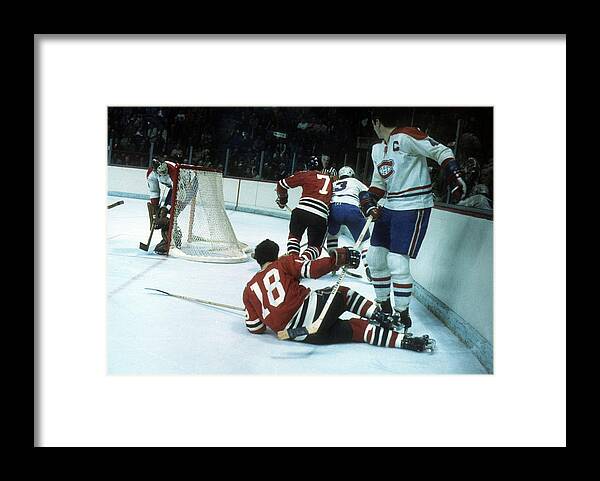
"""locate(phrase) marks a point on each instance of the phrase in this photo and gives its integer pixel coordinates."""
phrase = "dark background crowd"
(270, 143)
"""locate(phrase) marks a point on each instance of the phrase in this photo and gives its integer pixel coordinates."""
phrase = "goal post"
(199, 228)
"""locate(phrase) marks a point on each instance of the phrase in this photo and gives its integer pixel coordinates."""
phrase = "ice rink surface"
(149, 333)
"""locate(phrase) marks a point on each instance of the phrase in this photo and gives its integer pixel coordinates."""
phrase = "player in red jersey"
(275, 298)
(312, 211)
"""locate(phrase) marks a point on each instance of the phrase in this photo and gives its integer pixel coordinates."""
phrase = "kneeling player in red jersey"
(275, 298)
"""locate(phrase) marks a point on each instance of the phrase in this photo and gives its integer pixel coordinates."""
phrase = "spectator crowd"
(270, 143)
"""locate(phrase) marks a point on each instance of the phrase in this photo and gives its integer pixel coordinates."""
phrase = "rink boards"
(453, 274)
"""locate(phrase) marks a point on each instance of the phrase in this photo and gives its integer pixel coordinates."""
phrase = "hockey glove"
(282, 201)
(455, 181)
(368, 204)
(344, 256)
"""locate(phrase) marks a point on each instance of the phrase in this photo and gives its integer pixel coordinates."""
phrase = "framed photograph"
(254, 240)
(253, 221)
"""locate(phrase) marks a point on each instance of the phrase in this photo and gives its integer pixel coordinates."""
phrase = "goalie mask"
(160, 167)
(266, 251)
(346, 172)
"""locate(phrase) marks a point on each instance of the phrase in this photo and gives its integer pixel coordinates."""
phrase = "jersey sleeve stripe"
(409, 190)
(254, 326)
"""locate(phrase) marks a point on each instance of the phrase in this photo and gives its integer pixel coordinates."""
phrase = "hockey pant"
(316, 227)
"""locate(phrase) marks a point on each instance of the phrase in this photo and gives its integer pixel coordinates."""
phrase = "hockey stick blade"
(115, 204)
(143, 246)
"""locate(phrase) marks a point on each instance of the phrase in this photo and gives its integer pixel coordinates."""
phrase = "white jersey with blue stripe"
(400, 168)
(346, 191)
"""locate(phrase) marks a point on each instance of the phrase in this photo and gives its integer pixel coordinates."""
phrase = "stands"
(269, 143)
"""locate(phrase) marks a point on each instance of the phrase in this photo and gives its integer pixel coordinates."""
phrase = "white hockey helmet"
(346, 172)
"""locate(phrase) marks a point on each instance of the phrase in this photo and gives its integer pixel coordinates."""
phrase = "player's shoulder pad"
(413, 132)
(378, 149)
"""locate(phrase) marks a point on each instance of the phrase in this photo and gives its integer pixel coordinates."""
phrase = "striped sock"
(362, 331)
(332, 241)
(293, 245)
(402, 293)
(382, 287)
(358, 304)
(311, 253)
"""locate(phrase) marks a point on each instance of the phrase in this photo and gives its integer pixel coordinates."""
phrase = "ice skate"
(419, 344)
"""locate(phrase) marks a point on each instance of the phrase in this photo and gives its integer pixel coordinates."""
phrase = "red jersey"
(316, 190)
(274, 294)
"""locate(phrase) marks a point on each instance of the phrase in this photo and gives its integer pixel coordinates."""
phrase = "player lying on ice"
(275, 298)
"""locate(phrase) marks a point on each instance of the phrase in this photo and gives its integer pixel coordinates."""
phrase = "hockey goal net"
(200, 229)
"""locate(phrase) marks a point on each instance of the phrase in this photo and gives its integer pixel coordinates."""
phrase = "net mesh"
(201, 229)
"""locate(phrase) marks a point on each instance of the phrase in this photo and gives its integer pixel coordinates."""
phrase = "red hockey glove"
(454, 179)
(344, 256)
(368, 205)
(282, 201)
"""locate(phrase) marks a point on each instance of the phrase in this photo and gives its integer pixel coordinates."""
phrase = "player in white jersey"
(401, 175)
(344, 209)
(163, 173)
(160, 173)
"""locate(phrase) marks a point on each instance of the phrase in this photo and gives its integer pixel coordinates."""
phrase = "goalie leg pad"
(152, 212)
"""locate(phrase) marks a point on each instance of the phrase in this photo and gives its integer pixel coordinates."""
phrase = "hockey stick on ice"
(314, 327)
(115, 204)
(200, 301)
(143, 246)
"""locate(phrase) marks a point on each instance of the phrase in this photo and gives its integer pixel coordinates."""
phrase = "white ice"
(150, 333)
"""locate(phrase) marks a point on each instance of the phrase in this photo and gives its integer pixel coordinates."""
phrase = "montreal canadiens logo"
(386, 168)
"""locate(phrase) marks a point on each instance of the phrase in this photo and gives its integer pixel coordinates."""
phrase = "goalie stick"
(314, 327)
(115, 204)
(143, 246)
(200, 301)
